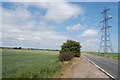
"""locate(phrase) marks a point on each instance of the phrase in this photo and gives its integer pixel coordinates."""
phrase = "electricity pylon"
(105, 43)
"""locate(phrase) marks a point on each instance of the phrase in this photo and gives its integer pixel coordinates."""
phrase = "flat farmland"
(29, 63)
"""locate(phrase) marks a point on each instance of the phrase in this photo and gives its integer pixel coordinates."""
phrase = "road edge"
(100, 68)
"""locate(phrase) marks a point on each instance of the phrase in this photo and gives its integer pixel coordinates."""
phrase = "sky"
(47, 25)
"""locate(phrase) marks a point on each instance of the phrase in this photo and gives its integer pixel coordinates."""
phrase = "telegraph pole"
(105, 43)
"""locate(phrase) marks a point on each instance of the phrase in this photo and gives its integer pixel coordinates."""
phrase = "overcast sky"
(50, 24)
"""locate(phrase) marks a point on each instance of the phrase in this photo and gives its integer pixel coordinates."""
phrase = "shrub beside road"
(69, 50)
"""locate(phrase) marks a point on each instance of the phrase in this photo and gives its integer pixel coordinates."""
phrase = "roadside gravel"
(81, 68)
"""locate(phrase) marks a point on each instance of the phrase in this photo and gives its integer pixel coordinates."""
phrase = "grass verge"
(114, 56)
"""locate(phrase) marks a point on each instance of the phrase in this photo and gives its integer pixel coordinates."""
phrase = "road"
(109, 65)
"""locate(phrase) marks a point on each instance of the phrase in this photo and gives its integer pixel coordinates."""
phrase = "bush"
(15, 48)
(71, 46)
(66, 56)
(20, 48)
(69, 50)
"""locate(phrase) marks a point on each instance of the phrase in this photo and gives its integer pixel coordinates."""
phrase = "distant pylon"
(105, 43)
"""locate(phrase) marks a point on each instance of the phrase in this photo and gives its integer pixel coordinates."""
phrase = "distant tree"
(20, 48)
(15, 48)
(32, 49)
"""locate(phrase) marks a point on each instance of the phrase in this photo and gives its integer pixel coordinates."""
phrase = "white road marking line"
(100, 68)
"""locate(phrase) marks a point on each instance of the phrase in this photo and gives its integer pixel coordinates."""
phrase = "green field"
(29, 63)
(107, 55)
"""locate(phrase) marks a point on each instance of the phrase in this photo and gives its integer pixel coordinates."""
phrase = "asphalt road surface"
(109, 65)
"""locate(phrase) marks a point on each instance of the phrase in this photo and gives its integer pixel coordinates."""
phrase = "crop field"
(107, 55)
(29, 63)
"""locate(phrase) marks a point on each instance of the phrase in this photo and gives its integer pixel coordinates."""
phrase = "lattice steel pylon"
(105, 43)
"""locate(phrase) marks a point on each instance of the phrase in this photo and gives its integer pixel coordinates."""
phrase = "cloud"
(83, 19)
(0, 26)
(59, 12)
(92, 40)
(56, 12)
(33, 1)
(18, 19)
(89, 33)
(76, 27)
(41, 39)
(21, 38)
(89, 46)
(20, 30)
(60, 0)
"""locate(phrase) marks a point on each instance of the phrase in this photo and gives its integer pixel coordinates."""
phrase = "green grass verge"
(29, 63)
(107, 55)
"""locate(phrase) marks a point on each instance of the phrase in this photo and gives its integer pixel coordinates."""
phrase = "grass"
(29, 63)
(107, 55)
